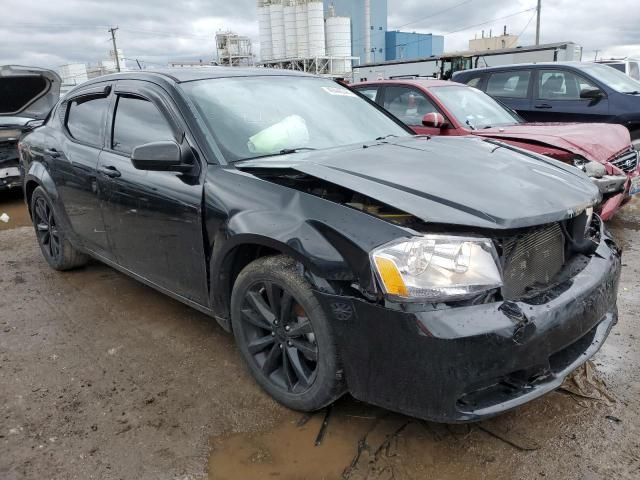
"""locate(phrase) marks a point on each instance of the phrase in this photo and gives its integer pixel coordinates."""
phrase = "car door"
(513, 88)
(73, 160)
(409, 105)
(557, 98)
(153, 218)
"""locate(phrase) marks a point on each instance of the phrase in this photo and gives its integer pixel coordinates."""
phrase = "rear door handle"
(110, 171)
(543, 105)
(52, 152)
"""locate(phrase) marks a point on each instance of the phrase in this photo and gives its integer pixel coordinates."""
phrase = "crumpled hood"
(28, 91)
(594, 141)
(451, 180)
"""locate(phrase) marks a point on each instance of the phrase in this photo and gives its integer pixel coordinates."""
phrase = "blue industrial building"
(378, 28)
(407, 45)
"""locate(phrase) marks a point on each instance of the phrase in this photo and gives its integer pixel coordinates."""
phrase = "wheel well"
(29, 188)
(234, 262)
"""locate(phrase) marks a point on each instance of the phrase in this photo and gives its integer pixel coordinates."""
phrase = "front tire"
(55, 247)
(284, 336)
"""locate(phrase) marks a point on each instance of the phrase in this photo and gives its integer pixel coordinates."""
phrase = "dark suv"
(563, 92)
(345, 253)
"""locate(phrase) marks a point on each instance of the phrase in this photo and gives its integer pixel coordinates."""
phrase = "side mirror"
(434, 120)
(591, 93)
(158, 156)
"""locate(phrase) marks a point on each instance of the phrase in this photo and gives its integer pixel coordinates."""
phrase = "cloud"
(56, 32)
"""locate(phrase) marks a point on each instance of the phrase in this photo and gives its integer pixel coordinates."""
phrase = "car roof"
(523, 65)
(418, 82)
(180, 75)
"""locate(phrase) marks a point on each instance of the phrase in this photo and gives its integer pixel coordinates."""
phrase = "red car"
(436, 107)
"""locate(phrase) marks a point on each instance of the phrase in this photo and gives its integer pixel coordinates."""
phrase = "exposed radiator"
(532, 260)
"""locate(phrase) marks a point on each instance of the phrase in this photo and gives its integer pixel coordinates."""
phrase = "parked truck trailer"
(443, 66)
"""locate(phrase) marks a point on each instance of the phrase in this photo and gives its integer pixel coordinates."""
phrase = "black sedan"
(446, 278)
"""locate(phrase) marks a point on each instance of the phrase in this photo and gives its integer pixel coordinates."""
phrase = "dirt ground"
(103, 378)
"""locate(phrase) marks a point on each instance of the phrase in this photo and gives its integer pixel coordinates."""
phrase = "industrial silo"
(290, 30)
(277, 30)
(302, 30)
(264, 27)
(338, 34)
(315, 23)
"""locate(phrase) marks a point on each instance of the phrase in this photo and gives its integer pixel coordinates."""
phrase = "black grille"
(626, 162)
(532, 259)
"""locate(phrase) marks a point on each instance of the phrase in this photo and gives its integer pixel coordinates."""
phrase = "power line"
(492, 20)
(527, 25)
(433, 14)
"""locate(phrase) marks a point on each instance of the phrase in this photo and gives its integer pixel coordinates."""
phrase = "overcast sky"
(51, 33)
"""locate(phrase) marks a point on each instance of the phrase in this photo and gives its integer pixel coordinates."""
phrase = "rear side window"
(138, 121)
(509, 84)
(86, 117)
(369, 92)
(561, 85)
(408, 104)
(474, 82)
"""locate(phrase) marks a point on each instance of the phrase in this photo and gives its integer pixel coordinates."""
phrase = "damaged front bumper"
(459, 364)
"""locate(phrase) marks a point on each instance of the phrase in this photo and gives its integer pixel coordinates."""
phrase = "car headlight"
(437, 267)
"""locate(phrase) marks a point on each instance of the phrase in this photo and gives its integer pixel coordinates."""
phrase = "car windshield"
(251, 117)
(612, 78)
(474, 108)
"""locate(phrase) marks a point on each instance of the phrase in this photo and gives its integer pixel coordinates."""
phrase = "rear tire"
(53, 241)
(284, 335)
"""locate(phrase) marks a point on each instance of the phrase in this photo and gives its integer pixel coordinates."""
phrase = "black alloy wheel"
(47, 229)
(284, 334)
(54, 244)
(280, 337)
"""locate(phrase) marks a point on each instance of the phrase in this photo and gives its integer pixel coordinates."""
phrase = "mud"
(103, 378)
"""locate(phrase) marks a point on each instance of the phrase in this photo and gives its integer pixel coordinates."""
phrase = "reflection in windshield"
(474, 108)
(611, 77)
(259, 116)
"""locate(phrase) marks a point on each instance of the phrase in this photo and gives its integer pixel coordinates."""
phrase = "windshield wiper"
(634, 92)
(468, 122)
(286, 151)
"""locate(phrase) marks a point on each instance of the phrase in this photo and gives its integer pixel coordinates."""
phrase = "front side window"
(509, 84)
(250, 117)
(561, 85)
(138, 121)
(408, 104)
(473, 108)
(86, 117)
(634, 71)
(610, 77)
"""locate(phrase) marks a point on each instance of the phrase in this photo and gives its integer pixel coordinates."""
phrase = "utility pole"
(115, 49)
(538, 22)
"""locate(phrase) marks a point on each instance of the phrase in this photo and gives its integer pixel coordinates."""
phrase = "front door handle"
(110, 171)
(52, 152)
(543, 105)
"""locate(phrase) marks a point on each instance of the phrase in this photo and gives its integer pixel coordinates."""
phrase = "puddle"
(288, 451)
(366, 443)
(13, 205)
